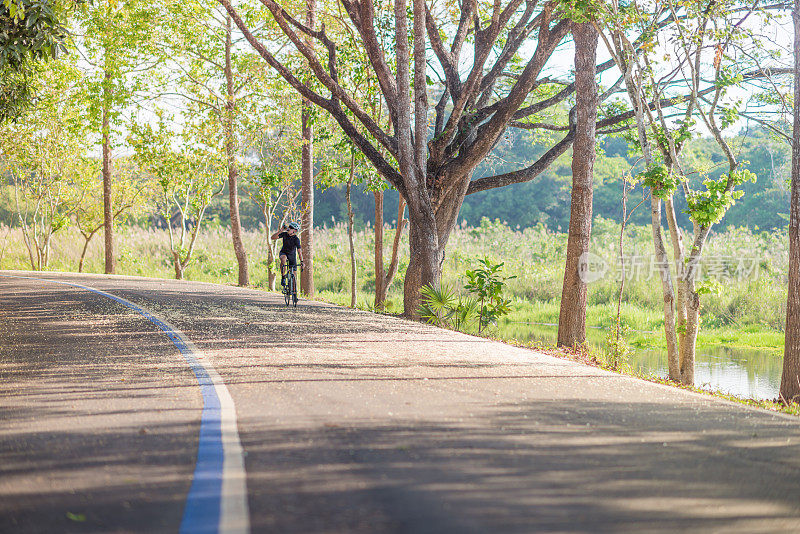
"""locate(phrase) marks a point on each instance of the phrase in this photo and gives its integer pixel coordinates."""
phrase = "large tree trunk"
(108, 210)
(790, 379)
(424, 257)
(307, 181)
(434, 238)
(233, 171)
(572, 317)
(379, 271)
(424, 246)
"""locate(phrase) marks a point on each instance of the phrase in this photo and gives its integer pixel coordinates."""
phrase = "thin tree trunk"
(398, 235)
(790, 379)
(623, 223)
(394, 262)
(678, 254)
(379, 271)
(267, 211)
(307, 180)
(233, 171)
(353, 293)
(46, 249)
(689, 345)
(108, 215)
(572, 317)
(83, 252)
(663, 263)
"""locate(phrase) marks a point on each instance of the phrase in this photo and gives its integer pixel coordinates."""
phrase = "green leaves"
(443, 307)
(729, 115)
(188, 176)
(31, 30)
(438, 305)
(728, 77)
(446, 309)
(581, 11)
(660, 180)
(487, 284)
(709, 206)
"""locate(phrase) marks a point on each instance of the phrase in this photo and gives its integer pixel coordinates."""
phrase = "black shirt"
(290, 244)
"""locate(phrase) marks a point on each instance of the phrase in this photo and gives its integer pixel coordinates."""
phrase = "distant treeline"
(546, 199)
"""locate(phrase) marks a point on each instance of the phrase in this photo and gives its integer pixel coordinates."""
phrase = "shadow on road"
(357, 423)
(543, 467)
(98, 417)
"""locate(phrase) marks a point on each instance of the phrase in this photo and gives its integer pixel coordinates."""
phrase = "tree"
(357, 171)
(118, 42)
(230, 158)
(188, 179)
(433, 179)
(222, 83)
(790, 378)
(271, 184)
(625, 55)
(572, 316)
(307, 176)
(31, 31)
(706, 36)
(89, 216)
(44, 155)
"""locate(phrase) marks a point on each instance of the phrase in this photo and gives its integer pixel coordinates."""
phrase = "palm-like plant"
(438, 305)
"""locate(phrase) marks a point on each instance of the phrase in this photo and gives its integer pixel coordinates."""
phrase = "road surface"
(348, 422)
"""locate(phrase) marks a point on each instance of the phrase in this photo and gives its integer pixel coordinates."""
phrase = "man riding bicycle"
(291, 245)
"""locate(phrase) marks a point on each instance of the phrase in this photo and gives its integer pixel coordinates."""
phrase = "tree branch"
(330, 105)
(523, 175)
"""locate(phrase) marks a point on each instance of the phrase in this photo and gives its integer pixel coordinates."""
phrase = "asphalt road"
(352, 422)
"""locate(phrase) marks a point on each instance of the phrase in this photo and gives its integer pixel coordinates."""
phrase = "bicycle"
(290, 289)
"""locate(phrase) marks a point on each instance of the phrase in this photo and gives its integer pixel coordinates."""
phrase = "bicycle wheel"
(294, 295)
(287, 291)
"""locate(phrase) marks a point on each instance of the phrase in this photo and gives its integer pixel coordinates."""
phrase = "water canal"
(748, 373)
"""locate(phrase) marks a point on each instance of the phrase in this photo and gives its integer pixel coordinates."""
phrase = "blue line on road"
(204, 501)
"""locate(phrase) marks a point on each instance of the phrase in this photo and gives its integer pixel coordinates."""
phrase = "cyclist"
(291, 245)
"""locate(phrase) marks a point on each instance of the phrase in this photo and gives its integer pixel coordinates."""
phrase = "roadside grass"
(747, 312)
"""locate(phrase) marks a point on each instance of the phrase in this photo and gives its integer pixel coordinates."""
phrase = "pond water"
(742, 372)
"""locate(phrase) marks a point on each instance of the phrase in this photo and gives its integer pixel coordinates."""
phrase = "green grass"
(766, 340)
(748, 313)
